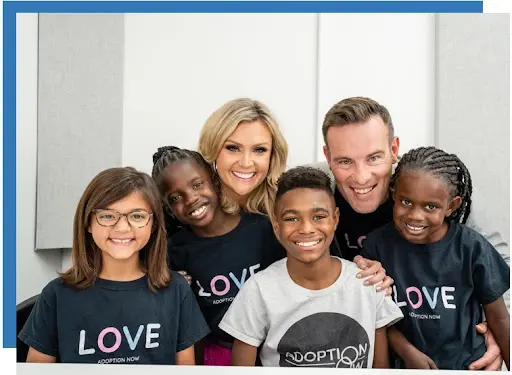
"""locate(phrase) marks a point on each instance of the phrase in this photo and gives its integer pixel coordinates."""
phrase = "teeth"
(199, 211)
(120, 241)
(307, 244)
(363, 191)
(414, 228)
(245, 176)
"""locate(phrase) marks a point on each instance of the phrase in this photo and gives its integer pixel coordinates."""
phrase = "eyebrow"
(315, 210)
(256, 145)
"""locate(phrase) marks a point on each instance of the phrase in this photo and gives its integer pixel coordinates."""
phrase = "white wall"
(387, 57)
(34, 269)
(179, 68)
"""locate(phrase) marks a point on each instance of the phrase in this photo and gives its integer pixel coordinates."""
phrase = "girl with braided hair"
(218, 250)
(446, 274)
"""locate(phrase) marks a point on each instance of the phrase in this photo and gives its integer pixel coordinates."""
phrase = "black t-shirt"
(353, 227)
(220, 265)
(115, 322)
(440, 288)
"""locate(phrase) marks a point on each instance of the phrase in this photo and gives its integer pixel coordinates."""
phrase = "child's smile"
(422, 202)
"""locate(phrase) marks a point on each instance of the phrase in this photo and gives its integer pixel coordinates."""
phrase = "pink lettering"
(226, 285)
(360, 241)
(418, 293)
(116, 345)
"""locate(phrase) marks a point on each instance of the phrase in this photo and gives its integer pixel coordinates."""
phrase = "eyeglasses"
(137, 218)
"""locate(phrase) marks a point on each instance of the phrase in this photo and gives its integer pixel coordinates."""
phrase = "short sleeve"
(491, 274)
(388, 313)
(192, 326)
(246, 319)
(40, 329)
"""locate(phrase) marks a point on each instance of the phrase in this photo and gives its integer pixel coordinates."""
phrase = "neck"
(221, 223)
(121, 270)
(316, 275)
(240, 199)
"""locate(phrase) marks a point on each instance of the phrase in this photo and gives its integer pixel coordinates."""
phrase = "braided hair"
(444, 165)
(163, 158)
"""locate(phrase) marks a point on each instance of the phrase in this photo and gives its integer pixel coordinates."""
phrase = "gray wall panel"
(473, 106)
(80, 114)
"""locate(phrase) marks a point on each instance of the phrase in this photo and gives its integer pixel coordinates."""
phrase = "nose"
(246, 159)
(362, 175)
(191, 198)
(122, 224)
(306, 227)
(415, 214)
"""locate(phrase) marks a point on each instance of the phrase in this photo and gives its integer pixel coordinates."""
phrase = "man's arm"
(498, 320)
(243, 354)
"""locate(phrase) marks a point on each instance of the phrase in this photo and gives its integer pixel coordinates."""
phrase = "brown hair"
(356, 110)
(107, 187)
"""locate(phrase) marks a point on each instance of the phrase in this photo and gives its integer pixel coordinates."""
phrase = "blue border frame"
(10, 8)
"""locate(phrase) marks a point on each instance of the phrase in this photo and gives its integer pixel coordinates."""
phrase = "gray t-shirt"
(115, 322)
(332, 327)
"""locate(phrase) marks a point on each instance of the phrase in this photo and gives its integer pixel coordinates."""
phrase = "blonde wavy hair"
(216, 130)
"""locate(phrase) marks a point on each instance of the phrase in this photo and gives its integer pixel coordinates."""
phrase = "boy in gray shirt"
(309, 309)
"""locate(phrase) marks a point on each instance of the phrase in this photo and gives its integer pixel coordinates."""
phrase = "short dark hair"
(303, 177)
(356, 110)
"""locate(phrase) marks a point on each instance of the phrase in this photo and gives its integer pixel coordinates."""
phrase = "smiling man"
(361, 149)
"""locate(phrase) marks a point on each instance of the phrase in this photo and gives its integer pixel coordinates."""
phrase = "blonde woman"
(243, 143)
(248, 152)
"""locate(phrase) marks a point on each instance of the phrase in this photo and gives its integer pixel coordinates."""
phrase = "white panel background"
(387, 57)
(181, 67)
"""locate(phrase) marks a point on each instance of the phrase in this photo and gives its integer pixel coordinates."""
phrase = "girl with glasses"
(118, 303)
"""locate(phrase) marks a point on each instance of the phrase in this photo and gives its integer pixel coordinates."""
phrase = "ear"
(336, 217)
(275, 225)
(327, 155)
(454, 205)
(395, 146)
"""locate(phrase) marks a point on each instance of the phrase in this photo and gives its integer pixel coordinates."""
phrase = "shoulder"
(469, 235)
(178, 281)
(254, 221)
(351, 282)
(251, 217)
(184, 235)
(53, 288)
(349, 268)
(178, 286)
(470, 238)
(478, 221)
(380, 233)
(269, 275)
